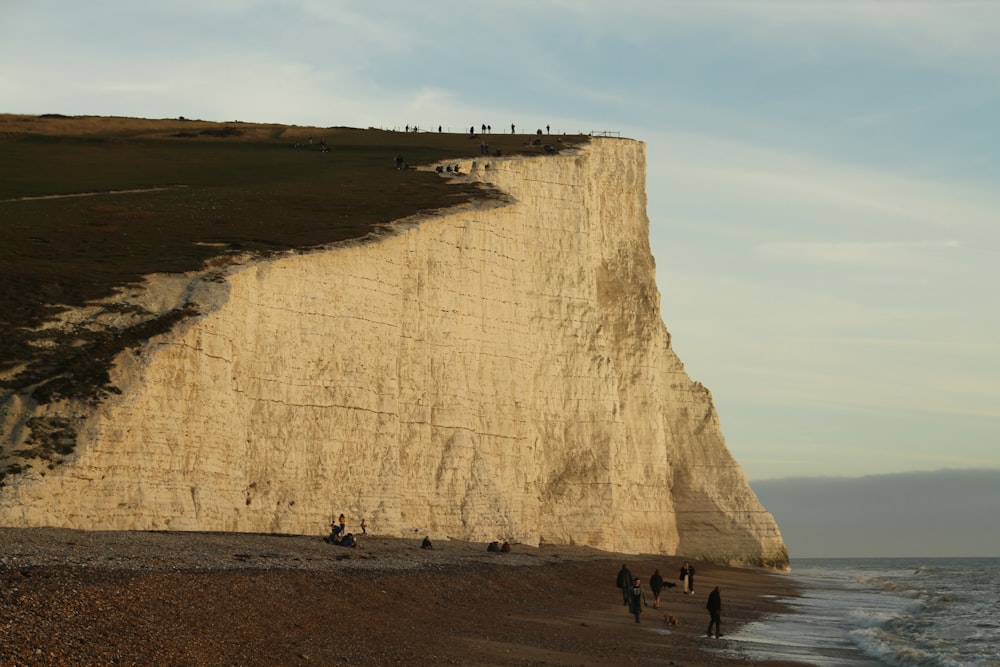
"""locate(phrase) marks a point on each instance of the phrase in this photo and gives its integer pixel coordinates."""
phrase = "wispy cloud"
(933, 31)
(764, 176)
(882, 254)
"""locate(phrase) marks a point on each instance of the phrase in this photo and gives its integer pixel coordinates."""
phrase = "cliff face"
(495, 372)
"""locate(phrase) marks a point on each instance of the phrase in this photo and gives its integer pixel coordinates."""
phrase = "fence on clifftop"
(433, 129)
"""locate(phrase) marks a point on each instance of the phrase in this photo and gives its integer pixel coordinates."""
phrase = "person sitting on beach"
(426, 544)
(494, 547)
(348, 541)
(336, 532)
(505, 548)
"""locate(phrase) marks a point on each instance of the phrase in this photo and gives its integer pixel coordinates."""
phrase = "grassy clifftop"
(90, 204)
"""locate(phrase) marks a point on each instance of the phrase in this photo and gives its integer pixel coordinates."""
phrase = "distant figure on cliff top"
(512, 128)
(484, 128)
(439, 129)
(656, 587)
(687, 576)
(623, 582)
(548, 130)
(426, 544)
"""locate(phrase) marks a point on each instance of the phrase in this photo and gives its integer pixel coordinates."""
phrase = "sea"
(901, 612)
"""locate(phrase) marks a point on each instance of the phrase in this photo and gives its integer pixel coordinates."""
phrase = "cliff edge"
(498, 371)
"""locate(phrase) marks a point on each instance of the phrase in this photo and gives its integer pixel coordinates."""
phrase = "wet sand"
(145, 598)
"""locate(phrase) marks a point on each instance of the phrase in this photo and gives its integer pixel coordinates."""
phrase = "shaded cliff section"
(498, 371)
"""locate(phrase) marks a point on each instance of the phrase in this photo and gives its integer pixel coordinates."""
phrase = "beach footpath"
(172, 598)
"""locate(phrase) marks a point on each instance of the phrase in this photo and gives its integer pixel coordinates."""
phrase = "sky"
(822, 176)
(942, 513)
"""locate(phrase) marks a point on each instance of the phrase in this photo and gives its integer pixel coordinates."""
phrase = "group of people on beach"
(634, 595)
(339, 535)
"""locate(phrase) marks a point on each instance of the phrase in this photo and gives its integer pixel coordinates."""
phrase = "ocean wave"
(868, 618)
(893, 650)
(901, 588)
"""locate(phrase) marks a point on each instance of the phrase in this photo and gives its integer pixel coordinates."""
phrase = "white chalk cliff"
(500, 371)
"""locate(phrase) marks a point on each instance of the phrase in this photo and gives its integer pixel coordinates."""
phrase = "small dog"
(670, 619)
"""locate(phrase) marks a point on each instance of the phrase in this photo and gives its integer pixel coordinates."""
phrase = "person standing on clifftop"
(687, 576)
(624, 582)
(714, 607)
(636, 599)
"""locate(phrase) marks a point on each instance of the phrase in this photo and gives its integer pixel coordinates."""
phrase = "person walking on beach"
(714, 607)
(624, 582)
(636, 599)
(687, 576)
(656, 586)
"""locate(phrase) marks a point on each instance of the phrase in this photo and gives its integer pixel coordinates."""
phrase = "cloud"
(749, 175)
(900, 254)
(934, 32)
(807, 282)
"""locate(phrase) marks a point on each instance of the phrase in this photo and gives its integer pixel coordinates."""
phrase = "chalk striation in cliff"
(500, 371)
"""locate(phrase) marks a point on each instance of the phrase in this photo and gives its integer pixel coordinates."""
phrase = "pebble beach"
(71, 597)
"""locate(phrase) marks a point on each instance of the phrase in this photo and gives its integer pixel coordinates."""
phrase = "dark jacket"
(714, 601)
(656, 583)
(636, 599)
(625, 578)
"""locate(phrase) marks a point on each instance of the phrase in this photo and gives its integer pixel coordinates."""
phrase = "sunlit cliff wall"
(496, 372)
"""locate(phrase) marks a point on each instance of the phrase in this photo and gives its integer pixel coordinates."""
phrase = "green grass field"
(90, 204)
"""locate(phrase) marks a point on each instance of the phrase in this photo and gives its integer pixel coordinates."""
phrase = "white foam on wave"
(869, 618)
(885, 612)
(883, 645)
(902, 589)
